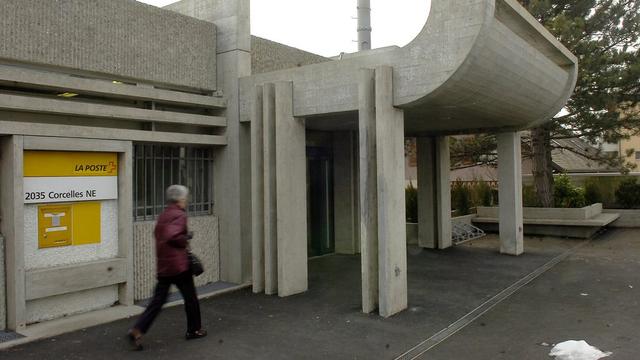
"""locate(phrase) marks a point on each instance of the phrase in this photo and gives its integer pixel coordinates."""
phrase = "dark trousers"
(184, 283)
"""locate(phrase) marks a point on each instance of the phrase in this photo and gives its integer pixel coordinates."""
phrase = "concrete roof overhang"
(477, 65)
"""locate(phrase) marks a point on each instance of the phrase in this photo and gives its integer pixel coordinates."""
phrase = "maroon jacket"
(172, 239)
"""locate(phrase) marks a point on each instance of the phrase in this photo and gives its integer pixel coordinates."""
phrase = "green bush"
(567, 195)
(529, 196)
(592, 192)
(411, 199)
(461, 198)
(483, 194)
(628, 194)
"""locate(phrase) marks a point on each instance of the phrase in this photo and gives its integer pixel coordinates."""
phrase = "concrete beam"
(257, 192)
(392, 239)
(43, 283)
(270, 209)
(52, 81)
(77, 108)
(368, 189)
(510, 193)
(291, 194)
(12, 226)
(89, 132)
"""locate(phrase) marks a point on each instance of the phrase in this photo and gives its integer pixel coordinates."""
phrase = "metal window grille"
(155, 167)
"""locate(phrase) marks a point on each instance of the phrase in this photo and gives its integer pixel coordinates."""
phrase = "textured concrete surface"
(55, 307)
(627, 219)
(3, 305)
(267, 56)
(121, 37)
(553, 308)
(510, 211)
(205, 245)
(43, 258)
(476, 65)
(325, 322)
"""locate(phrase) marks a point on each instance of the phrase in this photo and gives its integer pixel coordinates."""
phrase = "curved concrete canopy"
(476, 65)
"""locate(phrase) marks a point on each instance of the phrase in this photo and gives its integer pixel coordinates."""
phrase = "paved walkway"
(326, 322)
(594, 295)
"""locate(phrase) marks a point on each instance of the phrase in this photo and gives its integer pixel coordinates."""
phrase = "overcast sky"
(327, 27)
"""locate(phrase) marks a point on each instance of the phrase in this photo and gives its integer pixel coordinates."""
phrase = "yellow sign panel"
(86, 223)
(69, 163)
(69, 224)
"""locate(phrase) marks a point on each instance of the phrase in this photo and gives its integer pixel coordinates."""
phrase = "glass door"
(320, 232)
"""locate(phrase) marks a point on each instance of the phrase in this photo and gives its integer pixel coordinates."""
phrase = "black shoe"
(196, 334)
(135, 341)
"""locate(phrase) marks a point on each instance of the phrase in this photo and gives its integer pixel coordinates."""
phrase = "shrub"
(530, 197)
(628, 194)
(592, 192)
(484, 194)
(411, 199)
(461, 198)
(567, 195)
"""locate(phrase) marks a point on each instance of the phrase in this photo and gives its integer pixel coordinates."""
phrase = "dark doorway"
(320, 228)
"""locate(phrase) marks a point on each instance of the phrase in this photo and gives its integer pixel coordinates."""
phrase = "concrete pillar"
(368, 189)
(270, 210)
(434, 193)
(344, 192)
(12, 226)
(427, 204)
(232, 169)
(291, 194)
(443, 192)
(392, 239)
(257, 192)
(510, 193)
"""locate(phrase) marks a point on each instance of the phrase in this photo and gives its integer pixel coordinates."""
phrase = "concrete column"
(125, 221)
(510, 193)
(427, 204)
(344, 195)
(368, 189)
(12, 226)
(392, 239)
(443, 192)
(291, 194)
(257, 192)
(434, 193)
(270, 210)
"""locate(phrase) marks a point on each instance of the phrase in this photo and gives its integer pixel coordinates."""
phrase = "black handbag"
(195, 265)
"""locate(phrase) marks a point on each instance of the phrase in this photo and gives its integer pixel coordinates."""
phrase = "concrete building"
(288, 154)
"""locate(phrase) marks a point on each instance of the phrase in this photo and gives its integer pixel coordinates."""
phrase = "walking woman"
(172, 243)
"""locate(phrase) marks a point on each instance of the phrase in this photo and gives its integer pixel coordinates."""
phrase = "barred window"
(158, 166)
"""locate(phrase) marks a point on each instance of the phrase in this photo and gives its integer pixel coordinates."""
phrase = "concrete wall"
(35, 258)
(54, 307)
(627, 219)
(3, 306)
(267, 55)
(205, 245)
(125, 38)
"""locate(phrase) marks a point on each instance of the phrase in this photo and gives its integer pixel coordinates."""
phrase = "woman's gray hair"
(176, 193)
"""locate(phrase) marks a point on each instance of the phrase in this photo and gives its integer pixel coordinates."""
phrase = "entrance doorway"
(320, 223)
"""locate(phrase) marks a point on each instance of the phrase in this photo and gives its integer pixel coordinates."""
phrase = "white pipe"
(364, 25)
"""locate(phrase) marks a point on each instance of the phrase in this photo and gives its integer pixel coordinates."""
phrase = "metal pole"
(364, 25)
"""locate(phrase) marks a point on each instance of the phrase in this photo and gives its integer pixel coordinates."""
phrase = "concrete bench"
(575, 223)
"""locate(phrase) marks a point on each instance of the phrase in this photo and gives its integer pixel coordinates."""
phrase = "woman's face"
(182, 203)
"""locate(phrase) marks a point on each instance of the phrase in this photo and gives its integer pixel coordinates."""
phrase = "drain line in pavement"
(461, 323)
